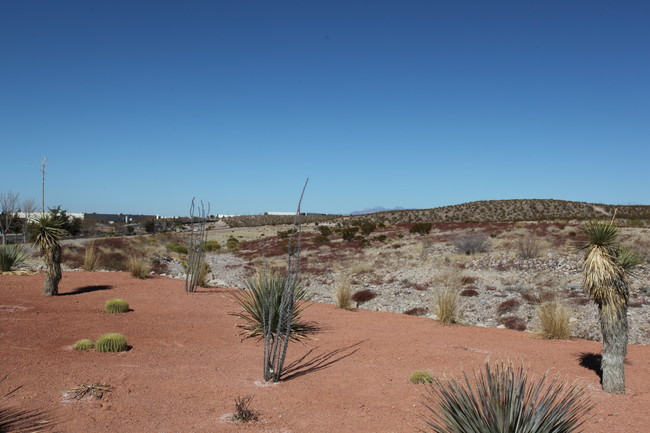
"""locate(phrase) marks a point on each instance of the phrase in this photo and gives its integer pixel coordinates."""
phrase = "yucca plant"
(261, 304)
(12, 255)
(502, 399)
(606, 267)
(47, 232)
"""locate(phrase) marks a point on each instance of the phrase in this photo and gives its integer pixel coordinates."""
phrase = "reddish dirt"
(187, 363)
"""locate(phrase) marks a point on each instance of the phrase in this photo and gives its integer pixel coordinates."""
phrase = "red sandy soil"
(187, 364)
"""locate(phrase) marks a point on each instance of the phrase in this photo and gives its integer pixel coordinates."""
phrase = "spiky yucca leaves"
(47, 232)
(261, 304)
(12, 255)
(17, 420)
(606, 266)
(504, 400)
(111, 343)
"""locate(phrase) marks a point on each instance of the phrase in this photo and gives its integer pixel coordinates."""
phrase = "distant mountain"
(374, 210)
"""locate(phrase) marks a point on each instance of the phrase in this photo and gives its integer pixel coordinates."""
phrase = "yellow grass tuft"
(554, 320)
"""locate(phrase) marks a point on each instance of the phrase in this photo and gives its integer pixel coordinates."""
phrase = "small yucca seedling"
(420, 376)
(12, 255)
(504, 399)
(115, 306)
(111, 343)
(83, 344)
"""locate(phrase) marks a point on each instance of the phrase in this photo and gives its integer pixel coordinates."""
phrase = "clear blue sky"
(141, 105)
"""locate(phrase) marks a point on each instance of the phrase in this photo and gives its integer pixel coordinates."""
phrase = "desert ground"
(186, 363)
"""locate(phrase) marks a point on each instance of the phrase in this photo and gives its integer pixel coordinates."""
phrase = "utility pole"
(43, 164)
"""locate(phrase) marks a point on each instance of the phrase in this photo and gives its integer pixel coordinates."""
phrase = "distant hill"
(374, 210)
(513, 210)
(476, 211)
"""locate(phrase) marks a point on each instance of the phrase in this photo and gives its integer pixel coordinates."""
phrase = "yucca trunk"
(614, 330)
(607, 285)
(52, 258)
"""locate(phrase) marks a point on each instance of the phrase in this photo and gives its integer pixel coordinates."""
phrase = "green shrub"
(111, 343)
(83, 344)
(325, 231)
(232, 243)
(12, 255)
(177, 248)
(420, 228)
(503, 399)
(114, 306)
(210, 246)
(367, 227)
(420, 376)
(349, 233)
(261, 300)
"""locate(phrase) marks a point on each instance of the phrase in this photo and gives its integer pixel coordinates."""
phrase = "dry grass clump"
(343, 295)
(361, 268)
(243, 412)
(447, 306)
(92, 258)
(554, 320)
(139, 267)
(529, 248)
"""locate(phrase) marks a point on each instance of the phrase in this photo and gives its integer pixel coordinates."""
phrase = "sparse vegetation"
(420, 228)
(471, 243)
(504, 399)
(363, 296)
(92, 258)
(139, 267)
(211, 246)
(420, 376)
(446, 306)
(554, 320)
(177, 248)
(232, 244)
(243, 411)
(343, 295)
(529, 248)
(116, 306)
(83, 344)
(12, 255)
(112, 342)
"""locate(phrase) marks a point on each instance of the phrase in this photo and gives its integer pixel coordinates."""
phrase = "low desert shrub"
(177, 248)
(367, 227)
(349, 233)
(446, 306)
(420, 376)
(115, 306)
(504, 399)
(420, 228)
(139, 267)
(513, 322)
(508, 306)
(12, 255)
(554, 321)
(260, 302)
(529, 248)
(111, 343)
(83, 344)
(204, 271)
(210, 246)
(363, 296)
(417, 311)
(243, 411)
(232, 244)
(92, 258)
(325, 231)
(469, 292)
(343, 295)
(471, 243)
